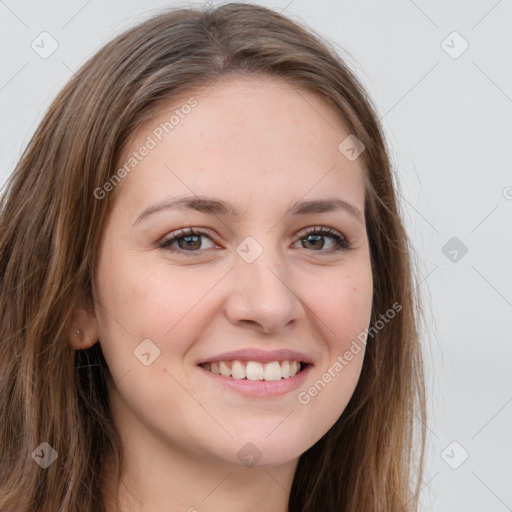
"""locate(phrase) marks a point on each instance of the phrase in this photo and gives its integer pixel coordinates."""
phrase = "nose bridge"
(261, 290)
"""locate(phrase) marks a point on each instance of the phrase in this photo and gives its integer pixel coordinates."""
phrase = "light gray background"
(448, 122)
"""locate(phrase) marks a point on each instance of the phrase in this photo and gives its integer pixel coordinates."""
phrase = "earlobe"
(84, 329)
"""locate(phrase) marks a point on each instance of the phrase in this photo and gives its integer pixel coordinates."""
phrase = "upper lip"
(262, 356)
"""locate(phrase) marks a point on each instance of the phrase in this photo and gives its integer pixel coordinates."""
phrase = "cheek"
(143, 298)
(141, 301)
(343, 305)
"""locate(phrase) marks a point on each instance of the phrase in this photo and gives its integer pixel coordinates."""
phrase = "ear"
(84, 328)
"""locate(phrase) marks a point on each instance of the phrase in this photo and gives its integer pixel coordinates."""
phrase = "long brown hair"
(50, 226)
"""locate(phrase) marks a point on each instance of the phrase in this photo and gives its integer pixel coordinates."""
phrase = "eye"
(315, 238)
(191, 241)
(187, 240)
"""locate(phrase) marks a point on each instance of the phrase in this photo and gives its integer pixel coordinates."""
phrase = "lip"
(261, 356)
(258, 388)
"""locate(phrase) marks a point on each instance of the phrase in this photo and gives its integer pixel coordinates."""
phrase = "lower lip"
(260, 388)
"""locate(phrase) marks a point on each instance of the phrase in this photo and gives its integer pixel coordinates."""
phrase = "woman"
(207, 297)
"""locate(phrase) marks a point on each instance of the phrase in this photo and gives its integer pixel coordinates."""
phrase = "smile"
(255, 370)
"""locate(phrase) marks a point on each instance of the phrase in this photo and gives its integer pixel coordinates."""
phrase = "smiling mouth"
(254, 370)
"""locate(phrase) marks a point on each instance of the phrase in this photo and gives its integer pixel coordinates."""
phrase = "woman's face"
(252, 163)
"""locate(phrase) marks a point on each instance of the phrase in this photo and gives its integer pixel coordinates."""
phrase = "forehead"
(256, 132)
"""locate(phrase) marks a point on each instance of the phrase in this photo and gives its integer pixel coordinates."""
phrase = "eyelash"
(342, 244)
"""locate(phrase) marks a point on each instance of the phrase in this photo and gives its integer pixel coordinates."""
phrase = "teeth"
(285, 369)
(254, 370)
(273, 371)
(237, 370)
(224, 369)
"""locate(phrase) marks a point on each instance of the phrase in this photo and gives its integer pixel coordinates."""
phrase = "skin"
(260, 145)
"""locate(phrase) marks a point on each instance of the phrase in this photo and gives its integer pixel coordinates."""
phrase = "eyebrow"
(213, 206)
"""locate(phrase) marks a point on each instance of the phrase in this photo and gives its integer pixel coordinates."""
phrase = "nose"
(261, 295)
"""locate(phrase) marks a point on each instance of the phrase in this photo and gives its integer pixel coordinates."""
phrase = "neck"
(194, 484)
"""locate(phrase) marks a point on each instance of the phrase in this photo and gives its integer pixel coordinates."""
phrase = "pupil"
(316, 238)
(190, 240)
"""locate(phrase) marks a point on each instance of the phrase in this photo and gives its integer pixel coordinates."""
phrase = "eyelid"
(343, 242)
(326, 230)
(183, 232)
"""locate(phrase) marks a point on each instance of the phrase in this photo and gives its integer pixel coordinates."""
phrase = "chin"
(266, 450)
